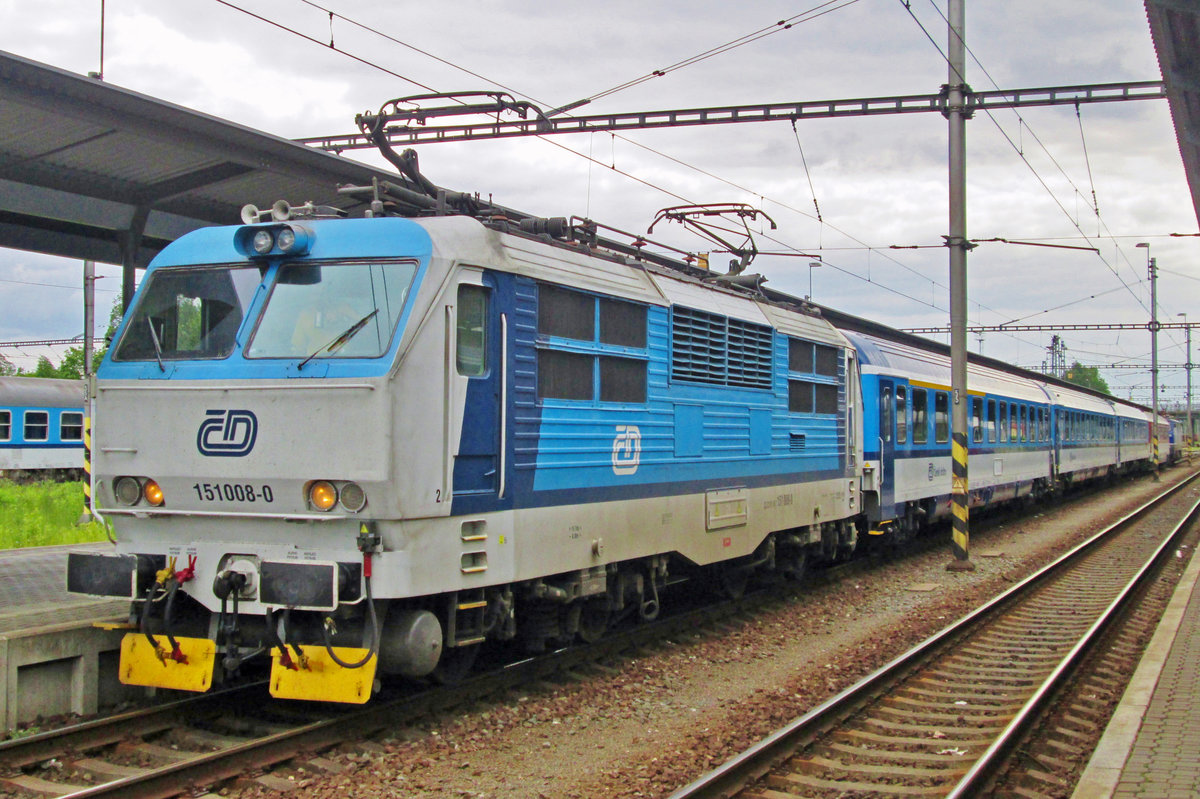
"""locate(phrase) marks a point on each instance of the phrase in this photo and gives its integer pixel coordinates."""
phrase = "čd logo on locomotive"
(227, 433)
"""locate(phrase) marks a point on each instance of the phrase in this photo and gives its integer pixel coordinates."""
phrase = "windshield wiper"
(341, 340)
(157, 346)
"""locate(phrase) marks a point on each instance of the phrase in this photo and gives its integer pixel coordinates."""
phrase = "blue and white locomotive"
(376, 443)
(41, 428)
(382, 441)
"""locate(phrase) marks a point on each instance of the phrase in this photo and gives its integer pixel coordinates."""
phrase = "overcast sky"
(879, 181)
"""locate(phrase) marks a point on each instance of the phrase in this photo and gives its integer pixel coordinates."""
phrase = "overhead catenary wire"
(587, 157)
(1020, 150)
(823, 9)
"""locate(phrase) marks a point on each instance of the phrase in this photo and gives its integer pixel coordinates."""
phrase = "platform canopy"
(1175, 27)
(93, 171)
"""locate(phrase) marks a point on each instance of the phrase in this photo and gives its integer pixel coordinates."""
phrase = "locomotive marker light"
(322, 495)
(153, 493)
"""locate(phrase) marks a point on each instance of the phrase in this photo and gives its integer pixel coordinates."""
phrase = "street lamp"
(1188, 366)
(811, 266)
(1151, 273)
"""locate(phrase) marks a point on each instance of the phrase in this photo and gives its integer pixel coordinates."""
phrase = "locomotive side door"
(477, 357)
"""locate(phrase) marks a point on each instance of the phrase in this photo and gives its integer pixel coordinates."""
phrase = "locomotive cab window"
(188, 313)
(812, 375)
(470, 353)
(36, 426)
(333, 310)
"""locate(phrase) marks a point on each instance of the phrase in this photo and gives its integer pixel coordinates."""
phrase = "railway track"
(187, 746)
(945, 718)
(181, 748)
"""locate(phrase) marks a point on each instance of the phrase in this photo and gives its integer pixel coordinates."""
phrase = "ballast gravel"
(647, 725)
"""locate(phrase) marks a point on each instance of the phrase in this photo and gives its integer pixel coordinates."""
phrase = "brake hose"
(374, 625)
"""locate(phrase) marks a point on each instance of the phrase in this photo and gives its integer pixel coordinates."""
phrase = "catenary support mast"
(956, 242)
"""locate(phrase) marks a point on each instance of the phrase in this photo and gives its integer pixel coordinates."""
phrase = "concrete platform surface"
(1151, 747)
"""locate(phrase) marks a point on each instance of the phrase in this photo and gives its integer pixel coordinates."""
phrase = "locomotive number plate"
(233, 492)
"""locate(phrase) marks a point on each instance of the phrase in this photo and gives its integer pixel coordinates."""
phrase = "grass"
(40, 514)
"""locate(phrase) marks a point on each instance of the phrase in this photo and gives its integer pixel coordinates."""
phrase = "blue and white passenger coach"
(41, 428)
(381, 441)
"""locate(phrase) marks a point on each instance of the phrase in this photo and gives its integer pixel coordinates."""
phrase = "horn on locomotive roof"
(695, 217)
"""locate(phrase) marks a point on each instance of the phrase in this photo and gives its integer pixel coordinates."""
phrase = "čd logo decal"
(627, 449)
(227, 433)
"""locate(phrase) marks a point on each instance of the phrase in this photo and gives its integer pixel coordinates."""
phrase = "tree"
(1086, 376)
(7, 367)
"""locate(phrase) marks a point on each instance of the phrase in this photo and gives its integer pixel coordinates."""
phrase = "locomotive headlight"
(286, 239)
(153, 493)
(322, 495)
(353, 498)
(263, 241)
(127, 490)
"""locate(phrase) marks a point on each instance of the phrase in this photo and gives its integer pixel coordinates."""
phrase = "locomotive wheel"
(593, 620)
(455, 664)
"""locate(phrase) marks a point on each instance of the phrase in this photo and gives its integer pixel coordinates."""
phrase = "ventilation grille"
(707, 348)
(796, 442)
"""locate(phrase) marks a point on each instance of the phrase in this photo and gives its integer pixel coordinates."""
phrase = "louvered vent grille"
(707, 348)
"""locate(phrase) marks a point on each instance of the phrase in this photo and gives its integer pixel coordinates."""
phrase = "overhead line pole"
(957, 114)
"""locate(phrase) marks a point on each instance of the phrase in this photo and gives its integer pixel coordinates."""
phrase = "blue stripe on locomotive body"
(332, 240)
(691, 437)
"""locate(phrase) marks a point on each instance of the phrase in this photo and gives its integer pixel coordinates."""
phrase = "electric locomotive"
(370, 445)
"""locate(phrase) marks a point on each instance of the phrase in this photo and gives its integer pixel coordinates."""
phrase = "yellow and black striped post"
(87, 516)
(958, 498)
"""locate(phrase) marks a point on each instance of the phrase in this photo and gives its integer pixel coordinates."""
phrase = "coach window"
(991, 421)
(1002, 422)
(977, 419)
(920, 425)
(941, 417)
(885, 414)
(1013, 423)
(37, 425)
(901, 415)
(5, 425)
(1024, 423)
(70, 426)
(471, 345)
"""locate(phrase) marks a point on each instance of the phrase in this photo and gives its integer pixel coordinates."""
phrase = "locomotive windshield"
(345, 310)
(189, 313)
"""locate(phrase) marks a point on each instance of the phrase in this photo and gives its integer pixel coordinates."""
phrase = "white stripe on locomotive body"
(397, 435)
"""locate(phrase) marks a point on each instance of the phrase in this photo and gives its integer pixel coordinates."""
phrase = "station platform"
(1151, 747)
(33, 589)
(54, 660)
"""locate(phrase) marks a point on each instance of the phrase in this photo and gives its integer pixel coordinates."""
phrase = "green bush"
(40, 514)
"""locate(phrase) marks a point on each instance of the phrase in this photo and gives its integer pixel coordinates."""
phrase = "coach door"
(478, 346)
(887, 446)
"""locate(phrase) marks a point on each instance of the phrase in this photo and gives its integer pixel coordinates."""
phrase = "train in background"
(375, 444)
(41, 428)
